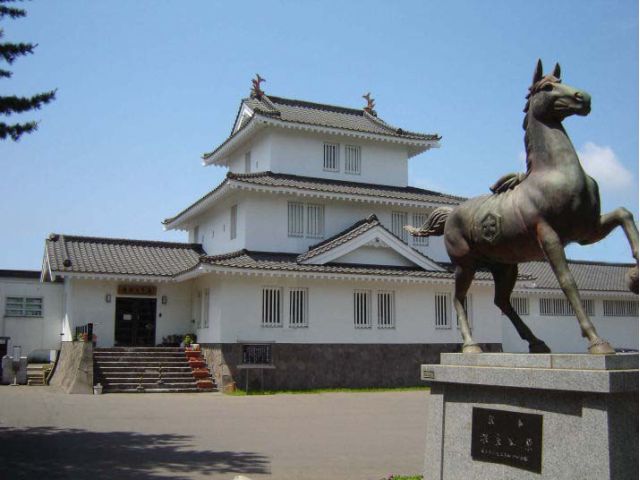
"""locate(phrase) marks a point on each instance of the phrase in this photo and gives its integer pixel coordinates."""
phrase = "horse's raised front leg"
(554, 251)
(623, 218)
(504, 277)
(464, 277)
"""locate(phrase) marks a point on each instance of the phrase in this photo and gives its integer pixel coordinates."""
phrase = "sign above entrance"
(149, 290)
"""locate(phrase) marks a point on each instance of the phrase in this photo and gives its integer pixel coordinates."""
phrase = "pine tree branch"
(10, 51)
(5, 73)
(11, 12)
(15, 131)
(13, 104)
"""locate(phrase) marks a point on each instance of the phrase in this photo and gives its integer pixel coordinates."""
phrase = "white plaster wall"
(86, 303)
(302, 153)
(260, 147)
(237, 313)
(214, 226)
(562, 334)
(29, 332)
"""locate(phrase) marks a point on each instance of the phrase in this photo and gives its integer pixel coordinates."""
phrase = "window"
(362, 308)
(562, 308)
(520, 305)
(386, 309)
(298, 307)
(468, 307)
(255, 354)
(205, 309)
(315, 221)
(23, 307)
(620, 308)
(233, 227)
(271, 307)
(419, 219)
(398, 221)
(196, 234)
(443, 302)
(352, 159)
(247, 162)
(295, 219)
(331, 157)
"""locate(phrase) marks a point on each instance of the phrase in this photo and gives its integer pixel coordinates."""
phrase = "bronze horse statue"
(533, 215)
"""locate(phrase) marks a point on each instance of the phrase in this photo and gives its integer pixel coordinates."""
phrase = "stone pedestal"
(543, 416)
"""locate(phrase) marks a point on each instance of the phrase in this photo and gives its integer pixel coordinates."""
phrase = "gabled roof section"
(255, 113)
(74, 255)
(319, 187)
(367, 232)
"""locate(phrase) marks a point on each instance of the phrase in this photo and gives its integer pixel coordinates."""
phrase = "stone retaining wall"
(305, 366)
(74, 371)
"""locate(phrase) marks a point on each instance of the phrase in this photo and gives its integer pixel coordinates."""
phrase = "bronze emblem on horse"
(533, 215)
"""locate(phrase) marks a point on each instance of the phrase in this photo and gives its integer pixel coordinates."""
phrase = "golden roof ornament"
(256, 91)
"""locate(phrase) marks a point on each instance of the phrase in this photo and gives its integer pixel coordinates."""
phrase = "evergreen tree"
(13, 104)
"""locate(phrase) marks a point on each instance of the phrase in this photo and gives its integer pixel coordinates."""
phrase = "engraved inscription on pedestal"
(509, 438)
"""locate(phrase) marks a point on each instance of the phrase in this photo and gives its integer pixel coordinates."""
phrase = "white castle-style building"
(298, 263)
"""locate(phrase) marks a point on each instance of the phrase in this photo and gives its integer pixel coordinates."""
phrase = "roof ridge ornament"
(256, 91)
(371, 104)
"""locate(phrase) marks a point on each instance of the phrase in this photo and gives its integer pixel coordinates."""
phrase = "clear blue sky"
(146, 86)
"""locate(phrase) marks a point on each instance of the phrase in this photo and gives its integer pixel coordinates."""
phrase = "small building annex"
(301, 252)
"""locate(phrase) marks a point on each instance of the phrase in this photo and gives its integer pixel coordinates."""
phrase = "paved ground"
(332, 436)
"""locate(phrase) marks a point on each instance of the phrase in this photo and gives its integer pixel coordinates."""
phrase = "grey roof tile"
(592, 276)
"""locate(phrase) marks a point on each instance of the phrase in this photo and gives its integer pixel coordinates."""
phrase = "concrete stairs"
(37, 373)
(148, 370)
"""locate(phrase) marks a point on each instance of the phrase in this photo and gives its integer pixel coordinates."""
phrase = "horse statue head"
(550, 100)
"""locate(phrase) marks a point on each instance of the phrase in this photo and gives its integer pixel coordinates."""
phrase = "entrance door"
(135, 322)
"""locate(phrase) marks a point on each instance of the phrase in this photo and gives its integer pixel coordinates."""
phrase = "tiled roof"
(321, 185)
(74, 254)
(590, 276)
(287, 262)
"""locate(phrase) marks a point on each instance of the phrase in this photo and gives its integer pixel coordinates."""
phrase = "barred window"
(256, 354)
(247, 162)
(443, 302)
(196, 234)
(362, 308)
(295, 219)
(331, 157)
(620, 308)
(561, 307)
(205, 309)
(398, 221)
(418, 220)
(233, 228)
(468, 307)
(315, 221)
(520, 305)
(352, 159)
(386, 309)
(23, 307)
(271, 307)
(298, 307)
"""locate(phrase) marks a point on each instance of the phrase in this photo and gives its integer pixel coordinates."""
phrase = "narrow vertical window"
(442, 303)
(419, 219)
(315, 221)
(386, 309)
(362, 308)
(398, 221)
(196, 234)
(247, 162)
(271, 307)
(331, 157)
(233, 222)
(295, 219)
(352, 159)
(298, 307)
(205, 309)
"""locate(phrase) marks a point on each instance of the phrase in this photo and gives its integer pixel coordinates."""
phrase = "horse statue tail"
(434, 226)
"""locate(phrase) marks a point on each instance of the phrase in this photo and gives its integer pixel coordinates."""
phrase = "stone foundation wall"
(305, 366)
(74, 370)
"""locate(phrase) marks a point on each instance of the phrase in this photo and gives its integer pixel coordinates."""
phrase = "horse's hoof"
(632, 279)
(601, 347)
(471, 348)
(539, 347)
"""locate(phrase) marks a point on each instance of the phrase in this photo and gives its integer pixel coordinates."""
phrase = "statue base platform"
(532, 416)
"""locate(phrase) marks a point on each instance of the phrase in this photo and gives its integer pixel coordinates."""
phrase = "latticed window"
(362, 308)
(352, 159)
(386, 309)
(247, 162)
(443, 305)
(398, 221)
(332, 157)
(520, 305)
(271, 307)
(23, 307)
(418, 220)
(315, 221)
(205, 308)
(295, 214)
(233, 228)
(561, 307)
(620, 308)
(298, 307)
